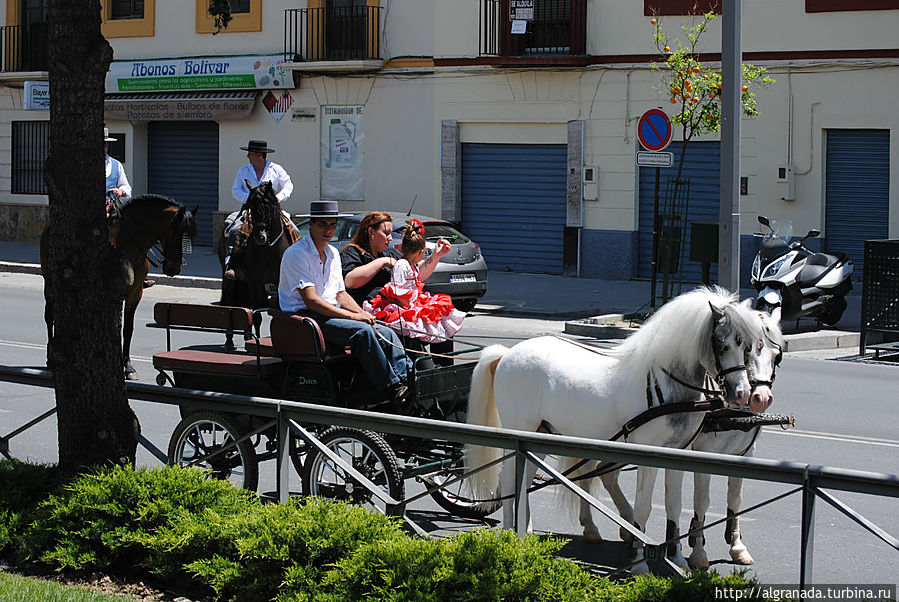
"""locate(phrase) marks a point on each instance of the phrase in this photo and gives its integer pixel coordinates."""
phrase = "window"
(558, 27)
(126, 9)
(246, 15)
(828, 6)
(30, 146)
(128, 18)
(680, 7)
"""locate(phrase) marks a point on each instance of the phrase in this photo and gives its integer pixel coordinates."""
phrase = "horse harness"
(156, 249)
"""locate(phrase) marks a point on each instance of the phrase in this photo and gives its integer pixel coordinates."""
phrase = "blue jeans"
(384, 364)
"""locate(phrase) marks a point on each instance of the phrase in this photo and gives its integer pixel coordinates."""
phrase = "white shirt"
(273, 173)
(123, 179)
(302, 267)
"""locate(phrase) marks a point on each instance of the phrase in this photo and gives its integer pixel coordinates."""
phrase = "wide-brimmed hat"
(324, 209)
(257, 146)
(106, 137)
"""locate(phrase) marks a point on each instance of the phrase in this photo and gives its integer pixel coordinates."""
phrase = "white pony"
(736, 442)
(760, 366)
(553, 385)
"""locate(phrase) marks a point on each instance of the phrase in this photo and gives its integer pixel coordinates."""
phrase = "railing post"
(807, 536)
(283, 458)
(521, 493)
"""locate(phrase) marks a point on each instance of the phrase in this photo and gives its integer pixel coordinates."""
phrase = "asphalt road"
(845, 417)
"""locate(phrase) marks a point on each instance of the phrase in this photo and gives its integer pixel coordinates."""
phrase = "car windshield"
(435, 231)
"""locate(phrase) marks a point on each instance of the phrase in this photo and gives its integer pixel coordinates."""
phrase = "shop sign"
(521, 10)
(178, 109)
(37, 96)
(261, 72)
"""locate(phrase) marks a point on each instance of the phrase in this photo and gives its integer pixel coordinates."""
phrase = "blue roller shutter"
(514, 204)
(183, 163)
(702, 166)
(857, 191)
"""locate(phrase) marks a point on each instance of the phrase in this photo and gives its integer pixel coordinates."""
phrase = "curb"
(182, 281)
(605, 327)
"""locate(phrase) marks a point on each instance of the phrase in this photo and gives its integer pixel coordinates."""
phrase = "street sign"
(646, 159)
(654, 130)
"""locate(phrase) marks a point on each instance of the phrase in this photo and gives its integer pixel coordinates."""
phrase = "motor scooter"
(803, 283)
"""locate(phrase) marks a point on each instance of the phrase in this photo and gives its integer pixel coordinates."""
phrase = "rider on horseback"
(117, 185)
(258, 169)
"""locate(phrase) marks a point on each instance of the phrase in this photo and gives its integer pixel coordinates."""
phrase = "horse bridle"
(277, 216)
(753, 383)
(163, 249)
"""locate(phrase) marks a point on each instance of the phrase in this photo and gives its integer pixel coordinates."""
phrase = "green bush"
(23, 487)
(195, 532)
(102, 519)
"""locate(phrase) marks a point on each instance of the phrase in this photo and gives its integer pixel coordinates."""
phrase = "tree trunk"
(96, 424)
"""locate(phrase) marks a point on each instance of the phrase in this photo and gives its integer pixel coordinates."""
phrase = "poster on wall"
(342, 150)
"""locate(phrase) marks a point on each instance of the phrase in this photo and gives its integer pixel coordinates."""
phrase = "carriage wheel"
(457, 498)
(199, 435)
(365, 451)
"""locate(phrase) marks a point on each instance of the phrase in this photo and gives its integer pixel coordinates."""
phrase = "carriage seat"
(299, 338)
(210, 318)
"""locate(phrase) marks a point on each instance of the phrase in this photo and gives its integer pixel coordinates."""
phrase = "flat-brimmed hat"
(106, 137)
(324, 209)
(257, 146)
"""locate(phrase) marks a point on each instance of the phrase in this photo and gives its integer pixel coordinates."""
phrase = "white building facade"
(526, 140)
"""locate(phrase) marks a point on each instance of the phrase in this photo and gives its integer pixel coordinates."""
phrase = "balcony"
(558, 28)
(333, 38)
(23, 50)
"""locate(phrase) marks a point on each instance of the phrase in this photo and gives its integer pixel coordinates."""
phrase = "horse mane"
(150, 198)
(679, 333)
(265, 203)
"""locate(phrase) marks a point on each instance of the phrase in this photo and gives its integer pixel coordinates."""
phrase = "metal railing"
(559, 27)
(23, 49)
(332, 34)
(810, 481)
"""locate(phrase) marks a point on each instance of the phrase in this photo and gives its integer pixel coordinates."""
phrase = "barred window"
(240, 7)
(30, 147)
(126, 9)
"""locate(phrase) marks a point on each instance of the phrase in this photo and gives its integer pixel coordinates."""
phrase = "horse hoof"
(698, 560)
(640, 569)
(679, 561)
(132, 375)
(741, 557)
(592, 537)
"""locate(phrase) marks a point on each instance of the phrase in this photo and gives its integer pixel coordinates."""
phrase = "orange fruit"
(667, 48)
(745, 88)
(673, 100)
(653, 21)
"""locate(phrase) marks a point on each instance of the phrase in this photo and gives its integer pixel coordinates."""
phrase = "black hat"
(324, 209)
(257, 146)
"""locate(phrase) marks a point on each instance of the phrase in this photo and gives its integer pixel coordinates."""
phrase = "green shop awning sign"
(261, 72)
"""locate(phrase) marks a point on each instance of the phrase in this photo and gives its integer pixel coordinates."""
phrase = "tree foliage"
(693, 88)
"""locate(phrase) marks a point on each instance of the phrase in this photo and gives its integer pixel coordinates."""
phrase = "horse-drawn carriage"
(294, 363)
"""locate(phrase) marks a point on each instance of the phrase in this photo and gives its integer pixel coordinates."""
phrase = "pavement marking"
(833, 437)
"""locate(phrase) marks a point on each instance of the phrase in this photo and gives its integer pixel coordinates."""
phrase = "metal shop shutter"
(183, 163)
(702, 166)
(857, 192)
(514, 204)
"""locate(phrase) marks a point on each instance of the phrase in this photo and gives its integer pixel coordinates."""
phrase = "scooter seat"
(819, 259)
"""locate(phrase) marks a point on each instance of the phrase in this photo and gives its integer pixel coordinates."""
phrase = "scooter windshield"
(781, 230)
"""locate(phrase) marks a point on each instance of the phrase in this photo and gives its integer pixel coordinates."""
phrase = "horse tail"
(482, 410)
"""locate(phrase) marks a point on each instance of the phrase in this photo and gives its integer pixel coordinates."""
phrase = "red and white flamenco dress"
(410, 311)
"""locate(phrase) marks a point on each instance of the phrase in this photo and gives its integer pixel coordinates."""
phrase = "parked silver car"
(461, 273)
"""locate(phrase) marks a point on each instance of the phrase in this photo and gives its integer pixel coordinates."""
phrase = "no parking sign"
(654, 130)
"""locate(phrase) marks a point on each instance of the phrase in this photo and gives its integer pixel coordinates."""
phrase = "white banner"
(342, 150)
(201, 73)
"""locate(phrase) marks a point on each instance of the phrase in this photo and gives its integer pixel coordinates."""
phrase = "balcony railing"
(559, 27)
(332, 34)
(23, 49)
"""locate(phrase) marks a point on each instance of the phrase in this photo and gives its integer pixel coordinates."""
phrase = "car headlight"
(756, 267)
(772, 269)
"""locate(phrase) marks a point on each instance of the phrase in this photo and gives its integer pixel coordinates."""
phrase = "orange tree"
(693, 89)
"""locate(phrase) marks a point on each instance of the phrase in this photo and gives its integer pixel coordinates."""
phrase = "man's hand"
(117, 191)
(364, 316)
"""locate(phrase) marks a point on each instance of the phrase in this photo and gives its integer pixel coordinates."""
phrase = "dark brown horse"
(143, 222)
(267, 235)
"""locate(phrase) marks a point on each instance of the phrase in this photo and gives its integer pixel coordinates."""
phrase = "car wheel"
(465, 305)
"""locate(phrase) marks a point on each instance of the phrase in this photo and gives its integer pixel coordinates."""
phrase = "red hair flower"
(416, 226)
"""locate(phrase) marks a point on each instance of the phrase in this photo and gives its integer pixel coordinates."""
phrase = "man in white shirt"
(259, 169)
(117, 185)
(311, 284)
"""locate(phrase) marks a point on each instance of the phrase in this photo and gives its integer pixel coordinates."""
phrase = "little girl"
(403, 304)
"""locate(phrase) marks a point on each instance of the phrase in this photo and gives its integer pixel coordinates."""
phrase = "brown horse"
(267, 235)
(144, 221)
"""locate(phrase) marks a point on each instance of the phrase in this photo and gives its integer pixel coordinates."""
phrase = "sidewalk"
(528, 295)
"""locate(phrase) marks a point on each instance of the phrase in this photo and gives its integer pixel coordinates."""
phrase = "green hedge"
(206, 536)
